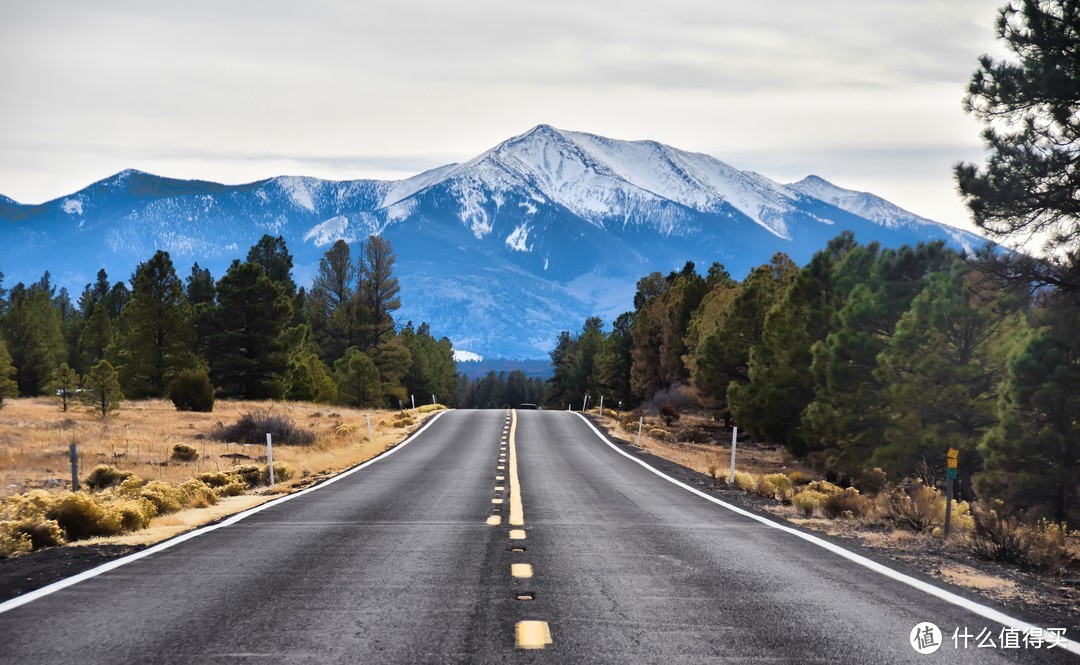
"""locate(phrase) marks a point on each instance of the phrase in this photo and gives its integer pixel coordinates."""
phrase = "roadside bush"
(694, 435)
(747, 482)
(282, 472)
(403, 421)
(134, 513)
(80, 516)
(661, 434)
(669, 413)
(783, 488)
(166, 498)
(1034, 547)
(848, 503)
(104, 475)
(920, 510)
(195, 493)
(872, 482)
(191, 391)
(253, 428)
(36, 532)
(825, 487)
(428, 408)
(343, 429)
(182, 452)
(12, 544)
(807, 501)
(798, 478)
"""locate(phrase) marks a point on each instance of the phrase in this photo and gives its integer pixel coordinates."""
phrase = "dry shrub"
(182, 452)
(37, 532)
(848, 504)
(343, 429)
(798, 478)
(807, 501)
(825, 487)
(872, 482)
(403, 421)
(81, 516)
(166, 498)
(253, 428)
(12, 544)
(134, 513)
(428, 408)
(747, 482)
(660, 434)
(783, 487)
(196, 494)
(669, 413)
(282, 472)
(1039, 546)
(919, 510)
(104, 475)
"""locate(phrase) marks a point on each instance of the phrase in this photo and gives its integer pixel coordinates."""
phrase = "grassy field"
(35, 435)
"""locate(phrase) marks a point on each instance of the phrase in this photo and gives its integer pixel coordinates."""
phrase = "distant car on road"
(528, 406)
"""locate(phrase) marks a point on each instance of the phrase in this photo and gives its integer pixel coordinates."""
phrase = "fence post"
(74, 452)
(270, 457)
(734, 435)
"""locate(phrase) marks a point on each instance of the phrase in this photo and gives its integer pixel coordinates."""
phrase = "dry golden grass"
(700, 457)
(35, 434)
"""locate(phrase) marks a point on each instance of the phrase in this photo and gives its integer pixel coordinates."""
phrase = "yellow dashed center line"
(494, 520)
(533, 634)
(521, 570)
(499, 488)
(517, 534)
(517, 514)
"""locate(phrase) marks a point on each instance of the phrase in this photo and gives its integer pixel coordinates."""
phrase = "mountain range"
(498, 253)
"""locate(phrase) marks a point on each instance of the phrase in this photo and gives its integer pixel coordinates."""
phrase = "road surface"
(429, 555)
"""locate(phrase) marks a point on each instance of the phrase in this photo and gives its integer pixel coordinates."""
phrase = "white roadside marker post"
(433, 402)
(74, 452)
(270, 457)
(370, 434)
(412, 398)
(601, 405)
(583, 403)
(640, 424)
(734, 434)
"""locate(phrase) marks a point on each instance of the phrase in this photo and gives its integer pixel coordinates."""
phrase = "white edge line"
(31, 596)
(949, 597)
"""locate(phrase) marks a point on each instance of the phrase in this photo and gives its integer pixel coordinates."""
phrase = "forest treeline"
(865, 357)
(251, 334)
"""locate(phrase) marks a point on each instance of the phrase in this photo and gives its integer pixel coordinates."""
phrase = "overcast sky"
(865, 94)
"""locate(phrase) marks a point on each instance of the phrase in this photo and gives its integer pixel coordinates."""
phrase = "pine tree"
(357, 378)
(200, 286)
(8, 386)
(249, 356)
(941, 373)
(155, 336)
(94, 294)
(33, 330)
(377, 291)
(331, 302)
(101, 388)
(65, 381)
(615, 358)
(97, 337)
(1028, 105)
(271, 253)
(1032, 456)
(393, 360)
(310, 380)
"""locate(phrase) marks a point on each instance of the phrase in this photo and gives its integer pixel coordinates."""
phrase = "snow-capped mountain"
(499, 253)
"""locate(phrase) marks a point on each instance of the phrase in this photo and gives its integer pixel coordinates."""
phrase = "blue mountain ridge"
(499, 253)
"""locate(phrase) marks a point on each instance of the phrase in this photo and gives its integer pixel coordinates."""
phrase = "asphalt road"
(412, 559)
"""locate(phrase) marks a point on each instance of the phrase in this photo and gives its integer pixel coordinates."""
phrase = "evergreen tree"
(432, 369)
(249, 355)
(3, 297)
(393, 360)
(357, 378)
(33, 330)
(271, 253)
(200, 287)
(97, 337)
(331, 302)
(1032, 456)
(377, 291)
(65, 381)
(724, 356)
(1028, 105)
(942, 371)
(562, 363)
(780, 384)
(101, 388)
(117, 300)
(8, 386)
(615, 358)
(310, 380)
(155, 336)
(94, 294)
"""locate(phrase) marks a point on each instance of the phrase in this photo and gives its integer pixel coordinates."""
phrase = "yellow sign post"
(952, 459)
